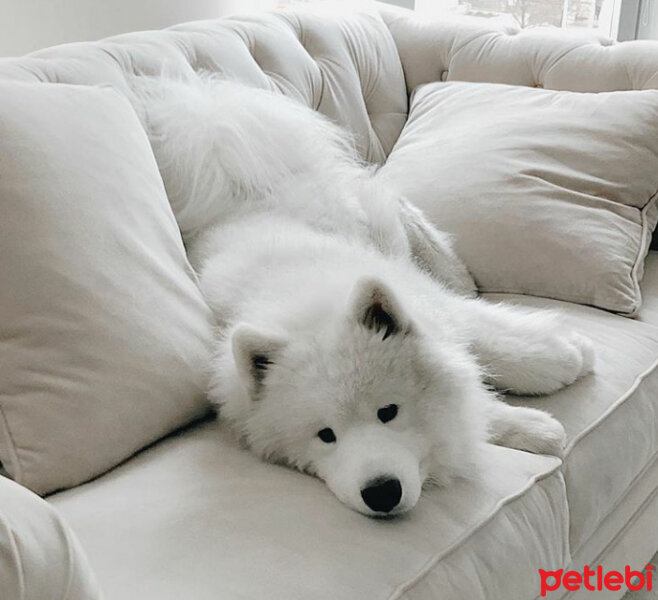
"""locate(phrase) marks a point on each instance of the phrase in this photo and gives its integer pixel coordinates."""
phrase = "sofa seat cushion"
(611, 417)
(221, 504)
(198, 517)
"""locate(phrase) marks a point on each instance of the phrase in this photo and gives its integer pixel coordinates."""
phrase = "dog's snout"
(383, 494)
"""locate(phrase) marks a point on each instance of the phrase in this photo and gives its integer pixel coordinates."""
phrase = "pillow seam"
(635, 280)
(642, 250)
(574, 299)
(11, 447)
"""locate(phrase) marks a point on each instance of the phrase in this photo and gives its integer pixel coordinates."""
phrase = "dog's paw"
(552, 364)
(586, 350)
(531, 430)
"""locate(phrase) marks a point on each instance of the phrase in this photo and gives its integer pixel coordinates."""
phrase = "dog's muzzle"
(374, 470)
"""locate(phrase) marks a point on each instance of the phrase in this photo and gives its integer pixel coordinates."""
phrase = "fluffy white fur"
(335, 300)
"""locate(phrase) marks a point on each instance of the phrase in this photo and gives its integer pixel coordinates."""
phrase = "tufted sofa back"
(542, 57)
(356, 65)
(345, 65)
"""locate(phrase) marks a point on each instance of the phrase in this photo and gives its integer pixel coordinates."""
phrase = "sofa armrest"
(40, 558)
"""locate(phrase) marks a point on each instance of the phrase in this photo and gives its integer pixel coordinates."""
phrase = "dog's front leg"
(522, 351)
(524, 428)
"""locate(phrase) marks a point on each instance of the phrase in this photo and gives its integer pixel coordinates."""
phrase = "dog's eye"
(327, 435)
(388, 413)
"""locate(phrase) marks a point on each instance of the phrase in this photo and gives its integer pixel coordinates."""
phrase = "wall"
(27, 25)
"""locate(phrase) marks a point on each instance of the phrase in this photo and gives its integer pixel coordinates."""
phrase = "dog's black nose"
(382, 495)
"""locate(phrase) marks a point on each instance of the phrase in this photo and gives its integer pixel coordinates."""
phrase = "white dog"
(350, 345)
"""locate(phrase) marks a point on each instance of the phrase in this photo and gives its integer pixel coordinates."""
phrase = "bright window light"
(599, 15)
(570, 14)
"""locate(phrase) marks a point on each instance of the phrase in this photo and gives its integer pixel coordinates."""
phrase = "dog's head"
(365, 399)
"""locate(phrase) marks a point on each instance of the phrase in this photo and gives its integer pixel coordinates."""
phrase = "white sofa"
(196, 517)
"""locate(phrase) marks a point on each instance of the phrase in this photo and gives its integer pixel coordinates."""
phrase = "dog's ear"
(375, 307)
(254, 351)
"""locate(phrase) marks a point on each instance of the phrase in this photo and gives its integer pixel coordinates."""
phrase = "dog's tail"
(222, 146)
(398, 228)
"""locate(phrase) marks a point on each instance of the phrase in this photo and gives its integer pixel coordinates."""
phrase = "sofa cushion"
(649, 312)
(104, 335)
(247, 529)
(548, 193)
(611, 417)
(222, 504)
(40, 556)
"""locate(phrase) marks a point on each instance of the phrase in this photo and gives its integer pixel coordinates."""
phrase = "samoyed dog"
(350, 343)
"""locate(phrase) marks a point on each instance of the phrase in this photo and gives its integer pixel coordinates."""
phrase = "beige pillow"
(103, 333)
(548, 193)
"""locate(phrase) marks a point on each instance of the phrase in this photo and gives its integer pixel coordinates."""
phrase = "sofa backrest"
(355, 65)
(543, 57)
(557, 59)
(345, 64)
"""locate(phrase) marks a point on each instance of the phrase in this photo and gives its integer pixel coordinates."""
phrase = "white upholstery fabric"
(104, 335)
(221, 504)
(649, 312)
(611, 417)
(351, 66)
(346, 66)
(195, 517)
(40, 557)
(436, 50)
(433, 50)
(628, 535)
(547, 193)
(198, 517)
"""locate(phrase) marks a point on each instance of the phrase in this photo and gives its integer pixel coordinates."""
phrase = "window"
(569, 14)
(617, 19)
